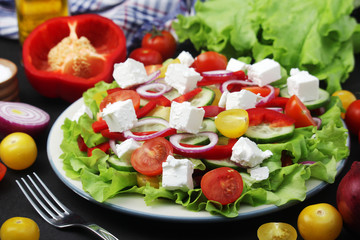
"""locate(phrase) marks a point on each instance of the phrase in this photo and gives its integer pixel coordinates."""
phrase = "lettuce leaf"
(317, 36)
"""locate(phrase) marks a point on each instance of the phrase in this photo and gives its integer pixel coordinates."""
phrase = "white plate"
(134, 204)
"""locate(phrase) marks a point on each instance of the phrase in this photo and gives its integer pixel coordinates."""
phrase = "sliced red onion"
(153, 76)
(176, 139)
(112, 145)
(307, 162)
(143, 90)
(317, 121)
(22, 117)
(225, 85)
(268, 97)
(218, 73)
(144, 121)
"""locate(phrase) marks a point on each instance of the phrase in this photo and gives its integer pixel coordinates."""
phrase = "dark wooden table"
(124, 226)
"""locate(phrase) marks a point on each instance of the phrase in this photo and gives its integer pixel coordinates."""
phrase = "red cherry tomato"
(295, 109)
(2, 171)
(209, 61)
(121, 95)
(223, 185)
(147, 56)
(149, 157)
(163, 42)
(352, 117)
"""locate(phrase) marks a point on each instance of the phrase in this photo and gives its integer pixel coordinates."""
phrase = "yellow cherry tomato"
(276, 230)
(320, 222)
(19, 228)
(232, 123)
(143, 180)
(346, 98)
(18, 151)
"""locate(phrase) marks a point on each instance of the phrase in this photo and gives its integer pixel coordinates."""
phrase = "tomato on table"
(209, 61)
(147, 56)
(148, 158)
(18, 151)
(223, 185)
(320, 222)
(2, 171)
(19, 228)
(161, 41)
(276, 230)
(121, 95)
(295, 109)
(352, 117)
(232, 123)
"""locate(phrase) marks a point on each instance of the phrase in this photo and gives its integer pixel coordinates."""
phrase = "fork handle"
(104, 234)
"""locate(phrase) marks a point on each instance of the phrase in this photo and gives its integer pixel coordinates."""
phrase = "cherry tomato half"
(232, 123)
(276, 230)
(18, 151)
(298, 111)
(149, 157)
(223, 185)
(163, 42)
(352, 117)
(19, 228)
(121, 95)
(147, 56)
(320, 222)
(209, 61)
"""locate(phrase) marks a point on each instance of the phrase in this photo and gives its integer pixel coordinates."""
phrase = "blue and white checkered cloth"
(135, 17)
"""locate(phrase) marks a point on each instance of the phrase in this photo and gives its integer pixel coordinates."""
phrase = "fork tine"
(45, 197)
(35, 206)
(64, 208)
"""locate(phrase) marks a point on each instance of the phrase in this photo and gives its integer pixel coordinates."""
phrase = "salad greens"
(317, 36)
(326, 146)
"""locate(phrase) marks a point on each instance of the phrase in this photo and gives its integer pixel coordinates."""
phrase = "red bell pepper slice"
(81, 144)
(212, 111)
(103, 147)
(105, 36)
(218, 152)
(187, 96)
(99, 125)
(113, 135)
(142, 112)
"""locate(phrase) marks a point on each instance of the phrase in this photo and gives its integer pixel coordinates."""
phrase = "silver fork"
(59, 216)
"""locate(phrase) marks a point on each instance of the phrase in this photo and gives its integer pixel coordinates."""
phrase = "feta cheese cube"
(177, 174)
(119, 116)
(185, 117)
(235, 65)
(129, 73)
(125, 149)
(259, 173)
(264, 72)
(182, 78)
(222, 100)
(303, 85)
(186, 58)
(247, 154)
(243, 99)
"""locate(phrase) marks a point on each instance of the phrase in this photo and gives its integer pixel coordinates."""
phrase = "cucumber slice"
(212, 164)
(208, 125)
(324, 97)
(204, 98)
(172, 94)
(120, 164)
(149, 127)
(263, 133)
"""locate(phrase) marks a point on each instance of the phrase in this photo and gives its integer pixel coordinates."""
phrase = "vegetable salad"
(301, 153)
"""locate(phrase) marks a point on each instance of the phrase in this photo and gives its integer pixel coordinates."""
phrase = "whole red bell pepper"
(69, 82)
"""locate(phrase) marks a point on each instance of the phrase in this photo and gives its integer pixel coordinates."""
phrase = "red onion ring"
(144, 121)
(153, 76)
(276, 109)
(112, 144)
(22, 117)
(217, 73)
(176, 139)
(268, 97)
(225, 85)
(317, 121)
(307, 162)
(143, 90)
